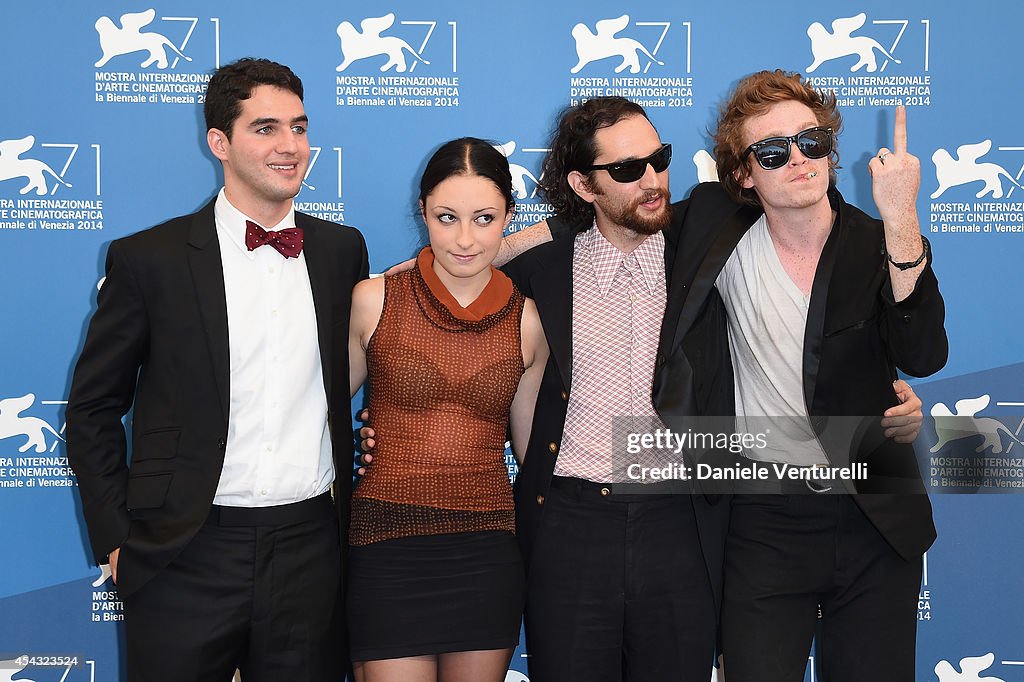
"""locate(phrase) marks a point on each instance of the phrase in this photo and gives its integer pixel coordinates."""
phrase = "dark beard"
(630, 218)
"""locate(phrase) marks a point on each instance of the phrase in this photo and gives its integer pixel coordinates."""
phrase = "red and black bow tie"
(288, 242)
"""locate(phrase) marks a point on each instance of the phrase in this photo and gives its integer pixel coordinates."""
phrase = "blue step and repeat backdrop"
(101, 135)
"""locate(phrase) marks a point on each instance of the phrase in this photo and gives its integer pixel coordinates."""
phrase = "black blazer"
(159, 341)
(545, 275)
(856, 338)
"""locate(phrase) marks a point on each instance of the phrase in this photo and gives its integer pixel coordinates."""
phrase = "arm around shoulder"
(519, 242)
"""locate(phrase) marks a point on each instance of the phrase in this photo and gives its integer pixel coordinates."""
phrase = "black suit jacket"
(856, 337)
(159, 341)
(545, 275)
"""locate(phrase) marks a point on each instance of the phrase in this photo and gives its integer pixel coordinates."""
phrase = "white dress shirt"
(278, 446)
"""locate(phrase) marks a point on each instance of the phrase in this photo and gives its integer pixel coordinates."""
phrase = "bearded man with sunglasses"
(619, 584)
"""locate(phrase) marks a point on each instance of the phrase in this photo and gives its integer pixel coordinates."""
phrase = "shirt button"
(540, 499)
(263, 492)
(565, 395)
(605, 492)
(273, 313)
(269, 448)
(553, 448)
(906, 318)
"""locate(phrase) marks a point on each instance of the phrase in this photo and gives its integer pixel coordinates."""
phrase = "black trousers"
(254, 590)
(786, 555)
(617, 590)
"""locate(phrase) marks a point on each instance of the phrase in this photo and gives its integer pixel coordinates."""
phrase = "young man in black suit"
(823, 304)
(225, 332)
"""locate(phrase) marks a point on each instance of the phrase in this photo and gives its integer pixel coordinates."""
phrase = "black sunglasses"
(773, 152)
(634, 169)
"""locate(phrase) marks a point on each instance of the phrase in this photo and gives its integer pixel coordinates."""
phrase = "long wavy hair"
(573, 148)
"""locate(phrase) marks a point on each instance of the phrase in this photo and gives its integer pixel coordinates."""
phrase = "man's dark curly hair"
(573, 148)
(234, 82)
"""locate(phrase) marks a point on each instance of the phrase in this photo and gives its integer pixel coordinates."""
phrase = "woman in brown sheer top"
(454, 355)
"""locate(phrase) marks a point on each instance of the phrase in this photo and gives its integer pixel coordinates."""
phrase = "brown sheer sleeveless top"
(441, 382)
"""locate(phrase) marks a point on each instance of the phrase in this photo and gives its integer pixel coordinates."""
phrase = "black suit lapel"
(815, 329)
(556, 310)
(674, 384)
(320, 281)
(729, 234)
(675, 269)
(208, 279)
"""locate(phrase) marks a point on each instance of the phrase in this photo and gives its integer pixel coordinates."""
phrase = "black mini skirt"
(434, 594)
